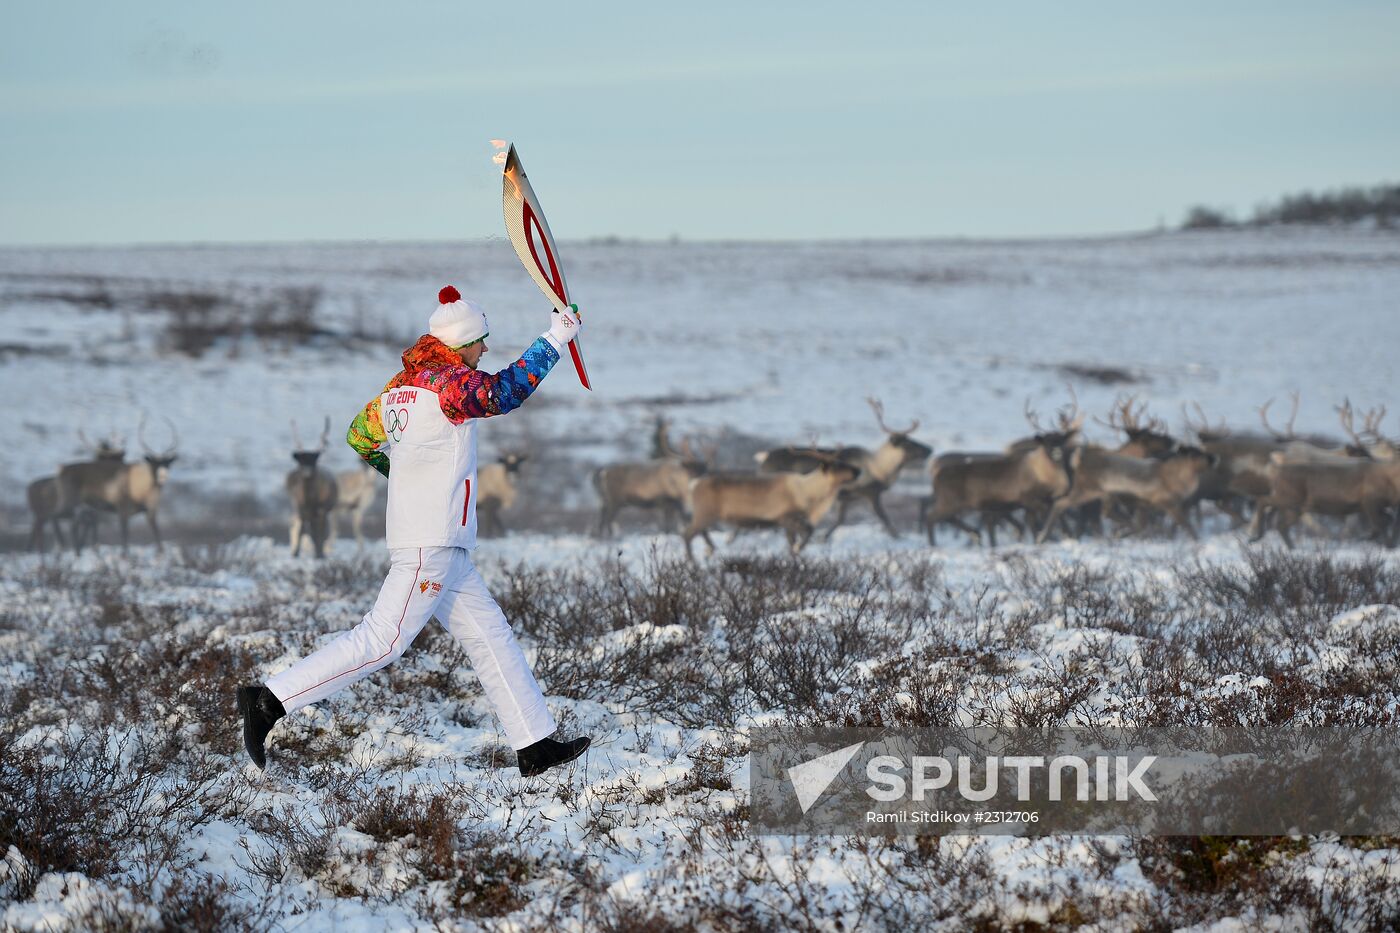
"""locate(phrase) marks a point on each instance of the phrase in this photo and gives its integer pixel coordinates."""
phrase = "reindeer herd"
(1059, 484)
(792, 489)
(1051, 482)
(80, 493)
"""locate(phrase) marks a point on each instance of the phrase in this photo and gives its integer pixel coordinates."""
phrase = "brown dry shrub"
(187, 675)
(483, 871)
(1288, 594)
(92, 801)
(779, 633)
(490, 877)
(205, 904)
(429, 816)
(1204, 878)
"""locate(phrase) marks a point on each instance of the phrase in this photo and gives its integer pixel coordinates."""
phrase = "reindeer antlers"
(113, 442)
(174, 436)
(1292, 416)
(1371, 426)
(1032, 417)
(1203, 428)
(1373, 421)
(325, 435)
(1068, 418)
(1126, 416)
(1344, 415)
(878, 407)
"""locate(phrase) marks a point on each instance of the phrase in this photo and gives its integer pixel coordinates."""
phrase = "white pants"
(422, 583)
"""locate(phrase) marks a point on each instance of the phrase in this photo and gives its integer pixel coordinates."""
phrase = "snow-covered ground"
(396, 806)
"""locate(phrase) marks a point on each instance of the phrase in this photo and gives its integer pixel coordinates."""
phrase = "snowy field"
(125, 798)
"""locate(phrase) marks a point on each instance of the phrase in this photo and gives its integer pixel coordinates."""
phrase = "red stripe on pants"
(397, 632)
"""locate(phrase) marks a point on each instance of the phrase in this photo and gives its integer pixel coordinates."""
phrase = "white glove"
(564, 327)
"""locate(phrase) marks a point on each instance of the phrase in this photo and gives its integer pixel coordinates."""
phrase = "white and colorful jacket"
(424, 425)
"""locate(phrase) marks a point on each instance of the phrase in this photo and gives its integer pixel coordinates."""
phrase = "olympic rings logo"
(396, 422)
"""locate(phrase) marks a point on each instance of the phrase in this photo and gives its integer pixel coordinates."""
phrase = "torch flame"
(499, 144)
(515, 183)
(499, 158)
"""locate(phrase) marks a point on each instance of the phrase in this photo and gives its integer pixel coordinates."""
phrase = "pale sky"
(258, 121)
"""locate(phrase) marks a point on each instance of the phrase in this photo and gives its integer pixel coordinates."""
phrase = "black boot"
(260, 708)
(546, 753)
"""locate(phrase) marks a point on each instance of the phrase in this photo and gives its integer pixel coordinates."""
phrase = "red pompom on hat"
(457, 321)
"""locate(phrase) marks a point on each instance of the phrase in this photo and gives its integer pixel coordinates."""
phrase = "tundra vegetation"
(133, 809)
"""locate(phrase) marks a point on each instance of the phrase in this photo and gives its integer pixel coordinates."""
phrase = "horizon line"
(675, 239)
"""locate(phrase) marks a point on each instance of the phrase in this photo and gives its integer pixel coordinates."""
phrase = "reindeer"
(989, 518)
(496, 491)
(313, 494)
(1027, 476)
(1367, 483)
(111, 485)
(1372, 443)
(43, 498)
(44, 495)
(1247, 468)
(1163, 484)
(1241, 473)
(1148, 441)
(355, 491)
(878, 469)
(663, 483)
(996, 485)
(1341, 488)
(1245, 471)
(795, 502)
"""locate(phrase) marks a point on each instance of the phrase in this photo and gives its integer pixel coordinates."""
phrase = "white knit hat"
(457, 321)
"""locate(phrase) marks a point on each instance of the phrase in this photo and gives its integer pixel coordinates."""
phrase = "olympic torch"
(529, 234)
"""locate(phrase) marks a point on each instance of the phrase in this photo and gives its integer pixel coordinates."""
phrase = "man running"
(424, 424)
